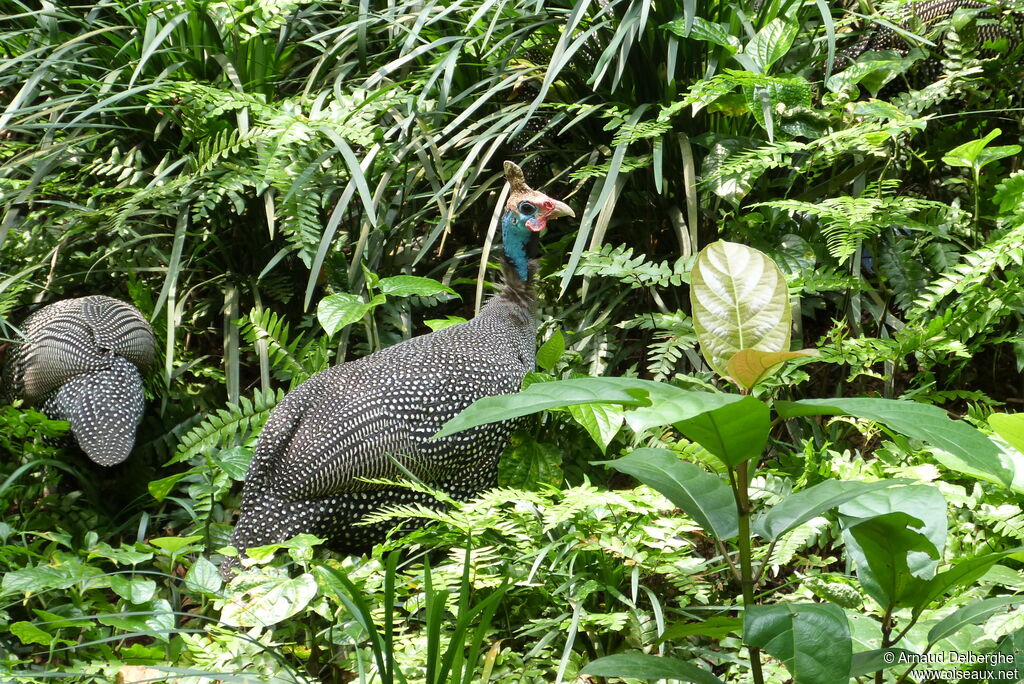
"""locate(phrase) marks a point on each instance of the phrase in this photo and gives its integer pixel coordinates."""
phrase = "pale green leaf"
(649, 667)
(339, 310)
(740, 300)
(967, 450)
(412, 286)
(551, 351)
(266, 599)
(28, 633)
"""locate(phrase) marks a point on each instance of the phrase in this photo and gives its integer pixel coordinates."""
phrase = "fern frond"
(291, 359)
(635, 271)
(235, 424)
(973, 270)
(845, 221)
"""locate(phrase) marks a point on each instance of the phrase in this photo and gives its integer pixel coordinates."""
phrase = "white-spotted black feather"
(82, 360)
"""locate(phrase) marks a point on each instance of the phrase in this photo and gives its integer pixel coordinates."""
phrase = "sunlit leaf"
(740, 300)
(643, 666)
(410, 286)
(263, 600)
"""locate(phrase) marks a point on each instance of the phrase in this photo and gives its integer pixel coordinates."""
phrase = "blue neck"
(514, 238)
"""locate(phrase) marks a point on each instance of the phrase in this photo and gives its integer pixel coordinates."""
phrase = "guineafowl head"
(526, 214)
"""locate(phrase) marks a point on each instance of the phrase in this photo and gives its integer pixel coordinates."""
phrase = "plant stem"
(977, 205)
(886, 642)
(739, 483)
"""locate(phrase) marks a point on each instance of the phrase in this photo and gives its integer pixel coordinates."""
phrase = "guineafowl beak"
(549, 209)
(561, 209)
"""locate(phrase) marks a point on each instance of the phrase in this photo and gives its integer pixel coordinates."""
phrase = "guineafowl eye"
(527, 209)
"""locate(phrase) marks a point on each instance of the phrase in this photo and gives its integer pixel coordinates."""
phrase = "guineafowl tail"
(104, 407)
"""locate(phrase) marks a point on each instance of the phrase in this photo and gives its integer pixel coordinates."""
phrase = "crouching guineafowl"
(348, 422)
(82, 360)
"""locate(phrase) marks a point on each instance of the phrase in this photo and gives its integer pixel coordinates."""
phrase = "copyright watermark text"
(897, 657)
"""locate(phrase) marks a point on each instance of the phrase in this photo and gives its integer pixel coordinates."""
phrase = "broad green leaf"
(234, 461)
(601, 421)
(541, 396)
(798, 508)
(159, 489)
(266, 599)
(669, 405)
(920, 501)
(740, 300)
(811, 639)
(436, 324)
(991, 154)
(125, 555)
(412, 286)
(32, 580)
(883, 546)
(703, 496)
(967, 155)
(702, 29)
(748, 367)
(765, 97)
(963, 574)
(528, 463)
(643, 666)
(155, 618)
(203, 577)
(174, 544)
(339, 310)
(714, 628)
(28, 633)
(265, 553)
(136, 590)
(551, 351)
(1011, 647)
(771, 43)
(1010, 427)
(868, 662)
(54, 621)
(873, 71)
(969, 450)
(971, 614)
(735, 433)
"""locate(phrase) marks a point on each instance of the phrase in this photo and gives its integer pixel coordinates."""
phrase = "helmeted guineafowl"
(349, 421)
(81, 360)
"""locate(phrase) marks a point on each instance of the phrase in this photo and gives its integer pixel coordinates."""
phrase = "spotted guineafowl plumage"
(348, 422)
(82, 360)
(921, 16)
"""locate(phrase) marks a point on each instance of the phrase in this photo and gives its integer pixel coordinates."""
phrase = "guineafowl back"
(347, 423)
(81, 360)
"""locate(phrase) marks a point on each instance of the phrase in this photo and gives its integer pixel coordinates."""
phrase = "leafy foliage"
(284, 185)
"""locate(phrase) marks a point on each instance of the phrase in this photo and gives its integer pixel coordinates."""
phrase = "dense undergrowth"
(247, 173)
